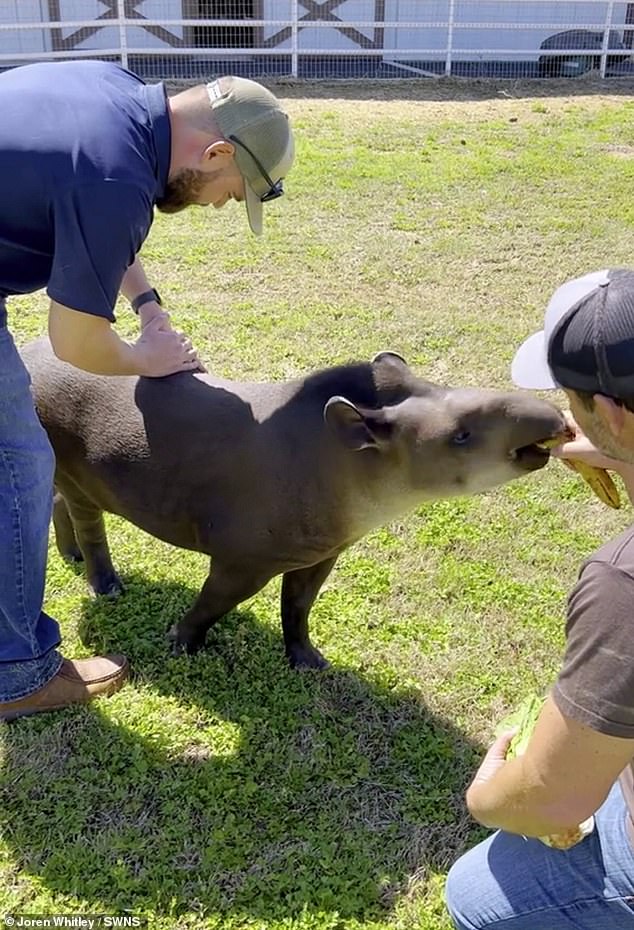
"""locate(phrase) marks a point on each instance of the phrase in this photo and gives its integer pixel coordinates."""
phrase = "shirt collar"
(159, 117)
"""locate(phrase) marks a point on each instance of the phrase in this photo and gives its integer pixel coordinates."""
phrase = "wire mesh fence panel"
(327, 39)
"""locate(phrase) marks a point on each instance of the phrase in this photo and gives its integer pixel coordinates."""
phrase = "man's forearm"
(513, 800)
(134, 281)
(105, 355)
(91, 344)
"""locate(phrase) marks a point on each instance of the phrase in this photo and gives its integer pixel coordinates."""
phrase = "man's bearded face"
(183, 190)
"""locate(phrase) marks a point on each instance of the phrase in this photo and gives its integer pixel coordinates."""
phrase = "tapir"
(268, 478)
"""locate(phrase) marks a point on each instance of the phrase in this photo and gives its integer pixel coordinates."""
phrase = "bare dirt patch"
(619, 151)
(452, 100)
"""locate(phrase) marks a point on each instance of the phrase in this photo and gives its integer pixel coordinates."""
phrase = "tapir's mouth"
(536, 454)
(531, 457)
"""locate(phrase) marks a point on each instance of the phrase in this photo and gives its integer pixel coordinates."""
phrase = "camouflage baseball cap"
(250, 116)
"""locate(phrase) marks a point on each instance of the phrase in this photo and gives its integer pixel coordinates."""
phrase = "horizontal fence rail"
(312, 39)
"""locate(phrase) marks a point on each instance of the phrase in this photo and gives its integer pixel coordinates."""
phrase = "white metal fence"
(190, 39)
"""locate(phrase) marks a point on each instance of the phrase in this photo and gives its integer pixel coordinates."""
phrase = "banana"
(598, 478)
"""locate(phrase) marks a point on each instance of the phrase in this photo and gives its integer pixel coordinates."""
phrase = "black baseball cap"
(587, 343)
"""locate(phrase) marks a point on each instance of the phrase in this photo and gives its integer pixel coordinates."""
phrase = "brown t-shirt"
(596, 682)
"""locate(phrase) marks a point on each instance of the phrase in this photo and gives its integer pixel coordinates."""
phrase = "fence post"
(452, 6)
(123, 34)
(295, 38)
(606, 38)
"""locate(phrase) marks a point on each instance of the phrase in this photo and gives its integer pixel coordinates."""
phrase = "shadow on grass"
(229, 784)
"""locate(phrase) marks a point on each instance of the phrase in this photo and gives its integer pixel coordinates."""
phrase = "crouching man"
(579, 760)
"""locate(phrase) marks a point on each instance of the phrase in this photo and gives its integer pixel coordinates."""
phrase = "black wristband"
(145, 298)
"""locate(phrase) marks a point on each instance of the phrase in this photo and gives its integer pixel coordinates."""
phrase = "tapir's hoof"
(108, 585)
(183, 645)
(306, 657)
(72, 555)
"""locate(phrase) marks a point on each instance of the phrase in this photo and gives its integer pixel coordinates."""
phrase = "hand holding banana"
(598, 478)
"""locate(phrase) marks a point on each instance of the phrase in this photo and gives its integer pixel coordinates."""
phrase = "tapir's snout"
(534, 422)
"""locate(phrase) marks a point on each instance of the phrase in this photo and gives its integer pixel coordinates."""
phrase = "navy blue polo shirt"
(84, 154)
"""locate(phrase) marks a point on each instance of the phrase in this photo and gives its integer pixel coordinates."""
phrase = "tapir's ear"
(388, 355)
(355, 429)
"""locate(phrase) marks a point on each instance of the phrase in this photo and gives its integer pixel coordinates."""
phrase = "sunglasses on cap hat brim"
(276, 188)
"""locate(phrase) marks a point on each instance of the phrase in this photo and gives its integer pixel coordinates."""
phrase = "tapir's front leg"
(299, 590)
(79, 524)
(65, 537)
(225, 587)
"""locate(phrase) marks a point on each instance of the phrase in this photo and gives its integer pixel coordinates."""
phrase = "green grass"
(226, 791)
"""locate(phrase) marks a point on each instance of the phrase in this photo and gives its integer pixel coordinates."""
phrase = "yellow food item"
(598, 478)
(569, 838)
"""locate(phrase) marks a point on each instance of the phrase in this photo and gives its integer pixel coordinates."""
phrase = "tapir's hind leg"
(77, 518)
(299, 590)
(226, 587)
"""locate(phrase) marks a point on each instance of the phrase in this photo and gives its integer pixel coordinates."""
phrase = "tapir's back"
(80, 409)
(130, 416)
(154, 450)
(169, 454)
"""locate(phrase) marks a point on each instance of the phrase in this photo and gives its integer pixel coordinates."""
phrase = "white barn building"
(323, 38)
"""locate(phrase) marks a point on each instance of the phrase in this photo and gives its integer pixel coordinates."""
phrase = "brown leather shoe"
(78, 681)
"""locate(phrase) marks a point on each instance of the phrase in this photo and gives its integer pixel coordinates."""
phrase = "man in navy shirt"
(86, 152)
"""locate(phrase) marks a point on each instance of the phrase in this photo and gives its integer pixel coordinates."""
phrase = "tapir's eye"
(461, 438)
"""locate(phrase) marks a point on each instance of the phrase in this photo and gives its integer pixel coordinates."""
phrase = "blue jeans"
(28, 637)
(512, 883)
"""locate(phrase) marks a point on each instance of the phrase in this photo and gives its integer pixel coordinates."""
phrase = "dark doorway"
(238, 36)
